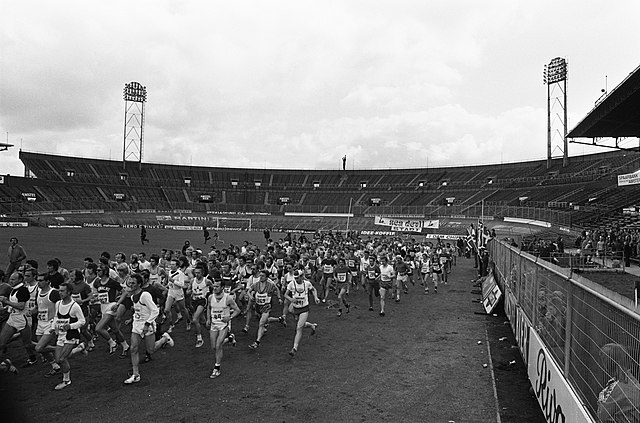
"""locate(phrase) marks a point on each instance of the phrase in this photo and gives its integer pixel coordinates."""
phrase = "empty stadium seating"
(64, 183)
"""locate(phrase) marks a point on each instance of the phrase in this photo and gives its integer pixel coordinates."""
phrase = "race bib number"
(103, 297)
(216, 315)
(227, 289)
(43, 315)
(385, 278)
(76, 297)
(351, 263)
(60, 324)
(328, 268)
(31, 304)
(372, 274)
(136, 315)
(280, 262)
(262, 299)
(342, 277)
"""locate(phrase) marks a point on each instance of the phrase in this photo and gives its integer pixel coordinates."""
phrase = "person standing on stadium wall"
(221, 311)
(16, 255)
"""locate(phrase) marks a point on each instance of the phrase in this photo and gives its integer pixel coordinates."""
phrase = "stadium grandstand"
(580, 195)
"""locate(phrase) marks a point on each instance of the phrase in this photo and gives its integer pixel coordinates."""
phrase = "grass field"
(422, 362)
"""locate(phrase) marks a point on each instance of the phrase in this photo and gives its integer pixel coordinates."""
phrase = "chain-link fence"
(592, 333)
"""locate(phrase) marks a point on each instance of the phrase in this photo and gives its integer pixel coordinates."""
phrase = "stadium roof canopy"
(616, 116)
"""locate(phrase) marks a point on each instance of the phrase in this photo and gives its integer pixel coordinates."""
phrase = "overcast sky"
(299, 84)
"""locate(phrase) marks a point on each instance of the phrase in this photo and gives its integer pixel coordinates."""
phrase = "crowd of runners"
(57, 313)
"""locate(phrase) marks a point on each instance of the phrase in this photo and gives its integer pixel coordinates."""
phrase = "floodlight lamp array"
(555, 71)
(134, 91)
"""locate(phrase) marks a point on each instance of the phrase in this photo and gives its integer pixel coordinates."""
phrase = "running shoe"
(370, 308)
(283, 321)
(314, 328)
(170, 340)
(348, 306)
(30, 362)
(214, 374)
(188, 326)
(10, 367)
(339, 313)
(132, 379)
(113, 348)
(179, 319)
(382, 313)
(435, 290)
(426, 291)
(397, 299)
(171, 328)
(147, 358)
(52, 372)
(245, 329)
(232, 339)
(199, 343)
(124, 352)
(254, 346)
(293, 352)
(62, 385)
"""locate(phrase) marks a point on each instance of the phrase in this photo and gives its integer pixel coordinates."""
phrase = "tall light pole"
(135, 96)
(555, 76)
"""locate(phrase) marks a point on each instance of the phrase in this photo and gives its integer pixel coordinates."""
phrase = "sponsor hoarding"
(629, 178)
(558, 401)
(406, 224)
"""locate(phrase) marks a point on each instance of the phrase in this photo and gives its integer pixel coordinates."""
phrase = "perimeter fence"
(573, 316)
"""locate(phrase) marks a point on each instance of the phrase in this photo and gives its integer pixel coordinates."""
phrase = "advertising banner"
(556, 398)
(406, 224)
(629, 178)
(491, 293)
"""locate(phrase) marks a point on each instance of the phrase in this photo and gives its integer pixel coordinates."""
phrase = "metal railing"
(574, 317)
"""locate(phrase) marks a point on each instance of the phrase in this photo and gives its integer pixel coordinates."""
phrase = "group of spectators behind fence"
(598, 248)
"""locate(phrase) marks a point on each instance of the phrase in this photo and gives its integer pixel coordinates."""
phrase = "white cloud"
(301, 83)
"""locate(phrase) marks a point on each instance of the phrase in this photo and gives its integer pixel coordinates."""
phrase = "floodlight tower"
(555, 78)
(135, 96)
